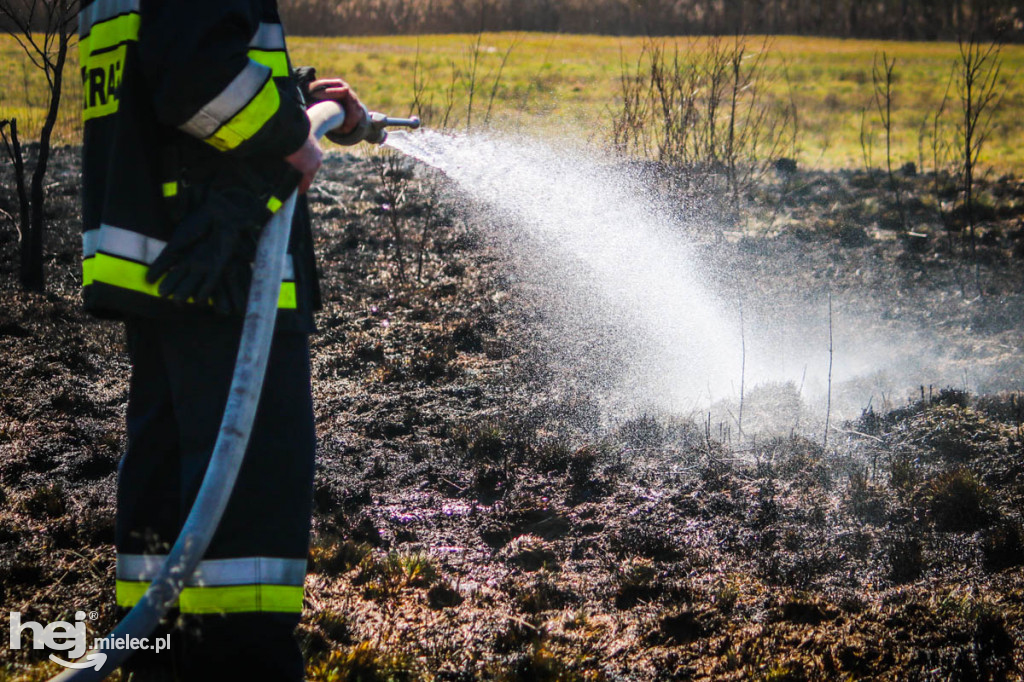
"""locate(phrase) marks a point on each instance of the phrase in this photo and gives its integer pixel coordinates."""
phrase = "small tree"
(882, 77)
(976, 78)
(12, 147)
(44, 29)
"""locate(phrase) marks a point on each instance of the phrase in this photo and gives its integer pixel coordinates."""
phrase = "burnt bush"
(48, 501)
(905, 557)
(333, 555)
(801, 459)
(1003, 546)
(955, 433)
(867, 501)
(957, 501)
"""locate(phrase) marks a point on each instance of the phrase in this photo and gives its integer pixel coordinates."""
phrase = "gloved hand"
(209, 255)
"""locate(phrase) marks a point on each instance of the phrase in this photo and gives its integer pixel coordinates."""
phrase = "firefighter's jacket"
(176, 91)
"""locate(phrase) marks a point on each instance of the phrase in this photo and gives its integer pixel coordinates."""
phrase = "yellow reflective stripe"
(129, 593)
(133, 246)
(287, 298)
(229, 599)
(122, 273)
(108, 34)
(274, 204)
(246, 84)
(87, 277)
(241, 598)
(106, 269)
(277, 60)
(102, 10)
(249, 120)
(169, 189)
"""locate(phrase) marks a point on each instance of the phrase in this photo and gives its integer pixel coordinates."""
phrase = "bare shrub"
(1003, 546)
(706, 111)
(394, 180)
(978, 87)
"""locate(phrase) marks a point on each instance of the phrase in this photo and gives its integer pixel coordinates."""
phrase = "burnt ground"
(472, 525)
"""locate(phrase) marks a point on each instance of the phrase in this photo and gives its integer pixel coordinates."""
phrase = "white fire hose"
(236, 425)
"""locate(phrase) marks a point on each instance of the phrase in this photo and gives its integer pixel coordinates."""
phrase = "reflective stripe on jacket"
(213, 81)
(246, 584)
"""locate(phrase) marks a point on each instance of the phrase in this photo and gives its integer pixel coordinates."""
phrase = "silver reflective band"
(229, 102)
(258, 570)
(117, 241)
(101, 10)
(268, 37)
(90, 242)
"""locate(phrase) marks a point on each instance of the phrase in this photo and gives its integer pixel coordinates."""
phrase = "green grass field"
(569, 85)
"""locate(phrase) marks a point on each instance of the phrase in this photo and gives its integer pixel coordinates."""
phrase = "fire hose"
(236, 424)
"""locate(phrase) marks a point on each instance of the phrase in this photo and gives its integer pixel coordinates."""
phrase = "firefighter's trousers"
(236, 616)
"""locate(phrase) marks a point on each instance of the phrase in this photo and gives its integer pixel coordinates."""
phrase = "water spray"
(641, 312)
(236, 425)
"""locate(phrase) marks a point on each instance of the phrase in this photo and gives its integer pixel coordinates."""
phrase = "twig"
(523, 622)
(497, 78)
(799, 394)
(853, 432)
(828, 407)
(460, 488)
(7, 215)
(743, 373)
(882, 79)
(473, 63)
(866, 144)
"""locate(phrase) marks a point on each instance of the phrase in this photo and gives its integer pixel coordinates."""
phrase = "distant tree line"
(897, 19)
(894, 19)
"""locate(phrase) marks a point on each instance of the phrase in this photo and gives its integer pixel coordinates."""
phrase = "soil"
(473, 523)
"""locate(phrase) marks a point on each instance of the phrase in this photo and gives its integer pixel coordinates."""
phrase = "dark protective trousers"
(236, 616)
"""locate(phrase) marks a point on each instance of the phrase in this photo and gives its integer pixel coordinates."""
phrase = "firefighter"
(194, 134)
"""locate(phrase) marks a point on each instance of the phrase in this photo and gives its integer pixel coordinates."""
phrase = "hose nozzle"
(380, 122)
(373, 128)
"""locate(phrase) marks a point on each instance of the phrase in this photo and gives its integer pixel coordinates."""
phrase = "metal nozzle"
(379, 121)
(372, 128)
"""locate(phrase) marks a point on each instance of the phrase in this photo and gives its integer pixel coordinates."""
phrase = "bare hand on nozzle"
(341, 92)
(306, 160)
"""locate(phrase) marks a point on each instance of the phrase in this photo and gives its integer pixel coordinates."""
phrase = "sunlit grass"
(568, 85)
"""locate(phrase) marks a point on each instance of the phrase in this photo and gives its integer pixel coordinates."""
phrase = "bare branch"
(497, 79)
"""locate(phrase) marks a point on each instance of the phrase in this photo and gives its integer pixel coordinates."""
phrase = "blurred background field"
(555, 84)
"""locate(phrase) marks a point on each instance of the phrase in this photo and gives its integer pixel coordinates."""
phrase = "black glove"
(304, 77)
(209, 255)
(231, 294)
